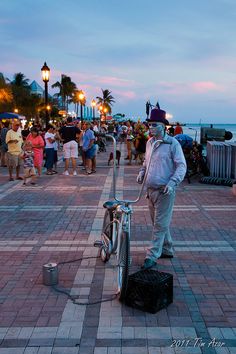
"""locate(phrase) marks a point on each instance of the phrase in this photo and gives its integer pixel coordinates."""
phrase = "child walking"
(28, 157)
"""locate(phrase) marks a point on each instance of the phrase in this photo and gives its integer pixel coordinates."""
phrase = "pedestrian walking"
(167, 170)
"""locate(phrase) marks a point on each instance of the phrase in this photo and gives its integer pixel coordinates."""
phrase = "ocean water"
(193, 130)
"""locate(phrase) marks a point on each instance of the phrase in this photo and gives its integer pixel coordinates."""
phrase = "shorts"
(90, 153)
(29, 172)
(13, 160)
(70, 149)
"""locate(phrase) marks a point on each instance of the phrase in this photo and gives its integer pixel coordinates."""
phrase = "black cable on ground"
(77, 259)
(72, 298)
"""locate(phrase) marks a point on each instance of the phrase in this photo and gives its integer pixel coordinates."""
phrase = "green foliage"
(17, 94)
(66, 90)
(6, 96)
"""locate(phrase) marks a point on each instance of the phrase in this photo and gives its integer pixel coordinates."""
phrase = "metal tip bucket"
(50, 274)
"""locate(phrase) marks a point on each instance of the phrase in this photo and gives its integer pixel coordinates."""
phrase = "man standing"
(167, 170)
(129, 138)
(68, 134)
(178, 129)
(14, 142)
(4, 147)
(89, 149)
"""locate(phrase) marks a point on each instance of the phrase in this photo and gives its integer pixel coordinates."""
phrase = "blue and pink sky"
(179, 52)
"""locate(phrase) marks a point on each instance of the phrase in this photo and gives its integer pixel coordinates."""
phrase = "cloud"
(124, 95)
(206, 86)
(115, 81)
(189, 88)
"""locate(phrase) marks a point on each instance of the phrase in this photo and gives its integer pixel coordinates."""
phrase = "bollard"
(50, 274)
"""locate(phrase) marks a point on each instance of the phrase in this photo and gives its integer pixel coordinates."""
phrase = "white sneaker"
(74, 173)
(66, 173)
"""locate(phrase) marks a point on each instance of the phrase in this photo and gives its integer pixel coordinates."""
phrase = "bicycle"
(115, 236)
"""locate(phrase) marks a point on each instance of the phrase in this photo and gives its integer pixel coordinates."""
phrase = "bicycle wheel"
(107, 229)
(123, 265)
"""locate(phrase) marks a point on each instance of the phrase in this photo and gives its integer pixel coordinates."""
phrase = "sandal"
(49, 173)
(19, 178)
(11, 179)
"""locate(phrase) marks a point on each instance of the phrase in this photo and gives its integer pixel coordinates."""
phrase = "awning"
(9, 115)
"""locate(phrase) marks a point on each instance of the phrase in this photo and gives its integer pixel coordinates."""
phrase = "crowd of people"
(152, 140)
(36, 148)
(75, 138)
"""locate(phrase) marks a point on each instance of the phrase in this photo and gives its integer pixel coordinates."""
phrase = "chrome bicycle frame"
(120, 224)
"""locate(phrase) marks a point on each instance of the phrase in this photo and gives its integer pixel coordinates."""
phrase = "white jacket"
(168, 165)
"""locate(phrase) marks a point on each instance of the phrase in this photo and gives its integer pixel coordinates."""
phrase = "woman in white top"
(49, 150)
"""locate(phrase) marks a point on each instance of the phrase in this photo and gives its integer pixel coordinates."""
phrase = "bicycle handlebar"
(115, 175)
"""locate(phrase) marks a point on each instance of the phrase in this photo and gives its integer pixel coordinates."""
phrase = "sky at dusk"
(181, 53)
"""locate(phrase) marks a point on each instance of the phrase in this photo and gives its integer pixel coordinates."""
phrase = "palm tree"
(66, 90)
(76, 100)
(21, 91)
(20, 81)
(106, 101)
(6, 96)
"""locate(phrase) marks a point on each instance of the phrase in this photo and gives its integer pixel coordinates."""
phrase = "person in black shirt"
(25, 132)
(68, 135)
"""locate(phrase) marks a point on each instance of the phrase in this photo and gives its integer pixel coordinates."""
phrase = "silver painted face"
(157, 130)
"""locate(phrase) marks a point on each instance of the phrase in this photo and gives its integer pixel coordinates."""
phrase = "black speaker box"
(149, 290)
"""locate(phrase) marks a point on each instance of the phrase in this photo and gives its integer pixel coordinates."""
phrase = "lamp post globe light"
(45, 76)
(93, 104)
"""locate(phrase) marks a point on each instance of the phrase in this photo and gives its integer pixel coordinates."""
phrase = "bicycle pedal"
(98, 243)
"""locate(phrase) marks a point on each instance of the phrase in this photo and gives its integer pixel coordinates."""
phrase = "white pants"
(70, 149)
(161, 209)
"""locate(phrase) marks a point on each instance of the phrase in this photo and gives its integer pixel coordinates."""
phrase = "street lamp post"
(81, 99)
(105, 113)
(93, 104)
(45, 76)
(101, 113)
(195, 139)
(48, 108)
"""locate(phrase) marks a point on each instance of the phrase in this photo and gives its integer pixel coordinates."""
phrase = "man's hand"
(168, 190)
(140, 177)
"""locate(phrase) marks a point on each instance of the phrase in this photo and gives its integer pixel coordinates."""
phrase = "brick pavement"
(59, 219)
